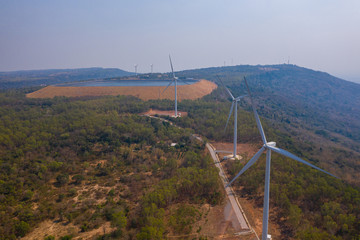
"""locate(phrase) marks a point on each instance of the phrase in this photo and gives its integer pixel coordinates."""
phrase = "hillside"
(93, 167)
(19, 79)
(315, 110)
(90, 166)
(288, 93)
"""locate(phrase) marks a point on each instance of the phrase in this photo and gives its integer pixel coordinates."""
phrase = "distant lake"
(124, 83)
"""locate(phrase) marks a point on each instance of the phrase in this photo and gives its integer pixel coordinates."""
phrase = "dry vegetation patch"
(193, 91)
(214, 222)
(60, 229)
(153, 112)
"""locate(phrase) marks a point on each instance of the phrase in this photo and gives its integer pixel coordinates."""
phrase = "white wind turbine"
(268, 146)
(175, 79)
(136, 66)
(233, 105)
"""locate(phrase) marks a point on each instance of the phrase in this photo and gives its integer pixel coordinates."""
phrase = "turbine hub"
(271, 144)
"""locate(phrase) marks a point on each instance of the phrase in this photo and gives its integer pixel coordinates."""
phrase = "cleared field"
(153, 112)
(194, 91)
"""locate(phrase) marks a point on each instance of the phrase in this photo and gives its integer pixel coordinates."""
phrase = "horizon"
(66, 35)
(355, 80)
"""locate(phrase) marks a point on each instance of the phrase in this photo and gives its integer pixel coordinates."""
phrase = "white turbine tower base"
(269, 147)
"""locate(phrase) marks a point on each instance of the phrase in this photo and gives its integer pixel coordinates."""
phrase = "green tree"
(22, 228)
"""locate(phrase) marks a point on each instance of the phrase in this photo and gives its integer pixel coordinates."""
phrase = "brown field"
(194, 91)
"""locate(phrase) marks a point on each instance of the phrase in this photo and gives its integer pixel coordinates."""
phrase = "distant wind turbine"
(268, 146)
(233, 105)
(135, 66)
(173, 81)
(151, 65)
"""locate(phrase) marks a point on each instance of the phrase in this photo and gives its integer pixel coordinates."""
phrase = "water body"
(125, 83)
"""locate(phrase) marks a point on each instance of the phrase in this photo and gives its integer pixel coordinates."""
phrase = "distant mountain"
(18, 79)
(303, 97)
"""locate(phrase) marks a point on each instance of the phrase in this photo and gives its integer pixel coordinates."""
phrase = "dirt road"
(245, 226)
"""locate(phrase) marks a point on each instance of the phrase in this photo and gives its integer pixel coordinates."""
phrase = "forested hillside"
(19, 79)
(304, 111)
(294, 94)
(317, 110)
(88, 161)
(306, 203)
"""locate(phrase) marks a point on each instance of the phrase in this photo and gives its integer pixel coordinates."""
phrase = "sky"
(322, 35)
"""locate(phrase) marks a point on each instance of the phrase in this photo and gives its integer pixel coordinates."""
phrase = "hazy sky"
(319, 34)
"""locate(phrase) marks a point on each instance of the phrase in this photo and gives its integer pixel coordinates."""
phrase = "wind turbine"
(268, 146)
(173, 81)
(135, 66)
(233, 105)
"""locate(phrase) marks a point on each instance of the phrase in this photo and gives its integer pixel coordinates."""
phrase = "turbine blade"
(290, 155)
(225, 87)
(248, 164)
(184, 81)
(240, 97)
(172, 69)
(258, 123)
(231, 109)
(167, 86)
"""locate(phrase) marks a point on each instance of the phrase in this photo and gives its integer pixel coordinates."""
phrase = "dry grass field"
(194, 91)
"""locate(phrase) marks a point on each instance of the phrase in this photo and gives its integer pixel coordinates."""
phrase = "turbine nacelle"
(239, 98)
(270, 144)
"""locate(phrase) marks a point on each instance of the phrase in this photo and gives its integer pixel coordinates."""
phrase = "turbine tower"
(269, 147)
(151, 65)
(135, 66)
(174, 81)
(233, 105)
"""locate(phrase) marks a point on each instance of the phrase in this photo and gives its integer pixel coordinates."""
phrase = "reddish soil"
(60, 229)
(243, 149)
(254, 213)
(194, 91)
(153, 112)
(217, 222)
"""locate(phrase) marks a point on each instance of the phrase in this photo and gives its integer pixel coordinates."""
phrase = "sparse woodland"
(52, 151)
